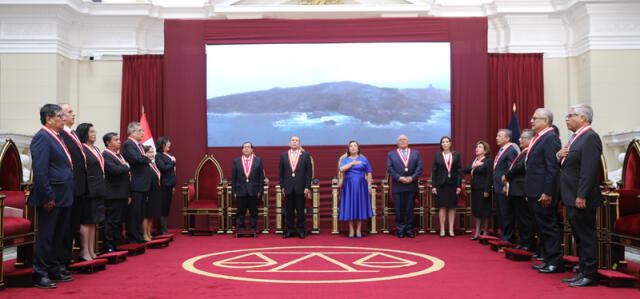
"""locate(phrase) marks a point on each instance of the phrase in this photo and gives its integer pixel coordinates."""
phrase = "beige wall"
(608, 80)
(28, 81)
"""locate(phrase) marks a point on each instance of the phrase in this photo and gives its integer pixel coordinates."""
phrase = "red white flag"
(147, 139)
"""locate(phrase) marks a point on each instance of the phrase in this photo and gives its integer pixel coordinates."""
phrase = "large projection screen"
(327, 93)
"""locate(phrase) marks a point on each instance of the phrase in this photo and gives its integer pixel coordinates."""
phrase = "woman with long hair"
(446, 179)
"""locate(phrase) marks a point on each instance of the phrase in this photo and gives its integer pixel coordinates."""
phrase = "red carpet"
(470, 270)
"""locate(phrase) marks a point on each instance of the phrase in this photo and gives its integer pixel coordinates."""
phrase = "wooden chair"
(336, 184)
(204, 195)
(388, 210)
(262, 211)
(463, 208)
(622, 215)
(19, 228)
(315, 204)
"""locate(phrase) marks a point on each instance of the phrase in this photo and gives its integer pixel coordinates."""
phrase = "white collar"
(67, 129)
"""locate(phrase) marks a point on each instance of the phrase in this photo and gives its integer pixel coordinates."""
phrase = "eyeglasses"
(61, 116)
(570, 115)
(537, 118)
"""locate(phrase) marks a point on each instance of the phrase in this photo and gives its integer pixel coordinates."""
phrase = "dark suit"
(540, 178)
(247, 192)
(294, 186)
(524, 220)
(117, 180)
(404, 195)
(141, 179)
(579, 178)
(167, 180)
(80, 190)
(506, 210)
(52, 180)
(446, 185)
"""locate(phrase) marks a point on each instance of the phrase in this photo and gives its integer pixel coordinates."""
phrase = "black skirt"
(480, 205)
(447, 197)
(153, 204)
(92, 210)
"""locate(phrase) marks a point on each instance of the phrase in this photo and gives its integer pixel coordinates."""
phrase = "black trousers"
(115, 214)
(294, 202)
(584, 231)
(50, 248)
(166, 193)
(245, 202)
(403, 207)
(73, 230)
(548, 230)
(506, 216)
(524, 220)
(135, 216)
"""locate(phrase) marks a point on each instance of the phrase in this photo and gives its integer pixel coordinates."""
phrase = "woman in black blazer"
(167, 165)
(153, 203)
(481, 171)
(92, 205)
(446, 178)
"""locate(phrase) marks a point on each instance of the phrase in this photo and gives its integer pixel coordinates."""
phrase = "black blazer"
(139, 163)
(515, 176)
(502, 167)
(52, 174)
(302, 180)
(166, 167)
(79, 164)
(95, 177)
(579, 172)
(482, 178)
(239, 181)
(439, 173)
(395, 168)
(117, 178)
(542, 167)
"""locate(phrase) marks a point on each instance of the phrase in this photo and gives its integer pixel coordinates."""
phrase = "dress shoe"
(551, 269)
(287, 235)
(539, 266)
(573, 279)
(44, 283)
(400, 234)
(60, 277)
(302, 234)
(410, 234)
(63, 270)
(518, 246)
(583, 282)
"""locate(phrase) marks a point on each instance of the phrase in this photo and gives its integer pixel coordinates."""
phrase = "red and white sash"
(504, 149)
(155, 169)
(534, 141)
(474, 161)
(518, 156)
(448, 161)
(77, 142)
(578, 133)
(138, 145)
(248, 163)
(96, 153)
(110, 152)
(405, 162)
(59, 139)
(293, 162)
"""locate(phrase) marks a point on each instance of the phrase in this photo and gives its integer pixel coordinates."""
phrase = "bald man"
(405, 167)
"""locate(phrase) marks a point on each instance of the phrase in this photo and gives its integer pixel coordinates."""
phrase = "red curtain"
(142, 86)
(514, 79)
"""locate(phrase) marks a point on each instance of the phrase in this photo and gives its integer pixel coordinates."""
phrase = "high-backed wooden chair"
(312, 204)
(263, 210)
(204, 195)
(623, 209)
(336, 184)
(18, 228)
(463, 209)
(388, 210)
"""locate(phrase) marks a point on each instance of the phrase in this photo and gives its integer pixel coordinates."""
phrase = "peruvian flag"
(147, 139)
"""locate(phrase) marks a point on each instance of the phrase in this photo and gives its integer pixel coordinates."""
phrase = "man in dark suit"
(52, 195)
(80, 178)
(540, 185)
(247, 179)
(295, 179)
(515, 189)
(506, 154)
(134, 154)
(117, 197)
(580, 163)
(405, 167)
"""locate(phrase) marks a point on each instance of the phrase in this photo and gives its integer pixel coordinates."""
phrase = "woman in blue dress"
(355, 199)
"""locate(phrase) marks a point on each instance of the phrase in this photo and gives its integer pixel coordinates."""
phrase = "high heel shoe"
(442, 235)
(452, 235)
(359, 236)
(474, 238)
(351, 237)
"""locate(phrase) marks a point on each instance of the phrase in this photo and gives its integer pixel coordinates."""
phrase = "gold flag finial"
(514, 107)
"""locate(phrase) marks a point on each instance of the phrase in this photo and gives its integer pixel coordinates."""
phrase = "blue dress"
(355, 200)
